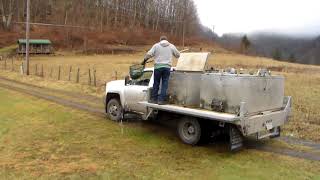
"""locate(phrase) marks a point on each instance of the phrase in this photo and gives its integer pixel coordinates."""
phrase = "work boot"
(162, 103)
(152, 101)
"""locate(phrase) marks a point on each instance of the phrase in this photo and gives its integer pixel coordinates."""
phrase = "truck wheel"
(114, 110)
(189, 130)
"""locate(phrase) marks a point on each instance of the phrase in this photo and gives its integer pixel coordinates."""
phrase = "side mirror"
(126, 80)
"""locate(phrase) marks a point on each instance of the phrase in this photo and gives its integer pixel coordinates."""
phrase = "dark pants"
(162, 74)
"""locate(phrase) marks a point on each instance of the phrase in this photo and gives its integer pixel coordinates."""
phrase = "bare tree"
(172, 16)
(6, 11)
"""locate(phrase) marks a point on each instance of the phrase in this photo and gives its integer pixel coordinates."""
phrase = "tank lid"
(192, 62)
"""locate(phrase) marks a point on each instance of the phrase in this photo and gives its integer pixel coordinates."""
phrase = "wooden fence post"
(59, 73)
(89, 77)
(22, 68)
(51, 70)
(12, 67)
(70, 71)
(41, 71)
(5, 64)
(94, 78)
(78, 75)
(116, 75)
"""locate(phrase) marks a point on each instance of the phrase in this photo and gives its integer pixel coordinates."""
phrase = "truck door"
(136, 91)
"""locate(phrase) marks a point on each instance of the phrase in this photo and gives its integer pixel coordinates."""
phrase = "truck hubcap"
(189, 130)
(113, 110)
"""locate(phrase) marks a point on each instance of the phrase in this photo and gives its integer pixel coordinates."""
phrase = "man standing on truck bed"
(162, 53)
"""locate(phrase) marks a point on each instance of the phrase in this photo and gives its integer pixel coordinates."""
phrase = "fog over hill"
(299, 48)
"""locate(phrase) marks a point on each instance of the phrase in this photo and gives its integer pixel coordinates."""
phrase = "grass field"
(43, 140)
(302, 81)
(8, 50)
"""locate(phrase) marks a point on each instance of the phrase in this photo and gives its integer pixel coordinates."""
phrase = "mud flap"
(236, 139)
(276, 132)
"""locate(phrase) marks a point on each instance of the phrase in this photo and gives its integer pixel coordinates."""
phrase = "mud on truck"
(206, 102)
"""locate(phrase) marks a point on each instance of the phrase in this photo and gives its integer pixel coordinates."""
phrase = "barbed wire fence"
(69, 73)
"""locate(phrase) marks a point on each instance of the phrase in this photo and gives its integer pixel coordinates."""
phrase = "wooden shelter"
(37, 46)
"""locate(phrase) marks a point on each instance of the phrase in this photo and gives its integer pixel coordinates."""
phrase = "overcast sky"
(285, 16)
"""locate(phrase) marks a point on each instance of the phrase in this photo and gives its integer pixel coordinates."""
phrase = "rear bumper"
(267, 121)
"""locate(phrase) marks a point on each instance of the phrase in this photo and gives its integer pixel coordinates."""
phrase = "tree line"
(171, 16)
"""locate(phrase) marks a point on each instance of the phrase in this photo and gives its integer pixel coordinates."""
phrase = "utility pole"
(213, 34)
(27, 37)
(184, 23)
(183, 34)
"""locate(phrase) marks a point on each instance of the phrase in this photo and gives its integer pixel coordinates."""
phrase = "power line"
(86, 27)
(55, 25)
(72, 26)
(109, 6)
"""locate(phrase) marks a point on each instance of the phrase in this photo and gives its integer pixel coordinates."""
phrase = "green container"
(136, 71)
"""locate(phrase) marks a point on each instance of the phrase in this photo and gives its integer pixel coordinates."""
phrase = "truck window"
(143, 80)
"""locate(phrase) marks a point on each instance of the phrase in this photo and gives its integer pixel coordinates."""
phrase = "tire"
(189, 130)
(114, 110)
(206, 132)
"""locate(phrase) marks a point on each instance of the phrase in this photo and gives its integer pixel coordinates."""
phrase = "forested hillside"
(109, 21)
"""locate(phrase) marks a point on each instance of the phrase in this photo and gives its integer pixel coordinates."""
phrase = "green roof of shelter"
(34, 41)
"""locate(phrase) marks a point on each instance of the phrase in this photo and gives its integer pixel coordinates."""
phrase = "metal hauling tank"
(184, 83)
(184, 88)
(190, 86)
(225, 92)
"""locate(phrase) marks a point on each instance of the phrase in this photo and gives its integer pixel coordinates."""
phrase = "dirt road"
(292, 147)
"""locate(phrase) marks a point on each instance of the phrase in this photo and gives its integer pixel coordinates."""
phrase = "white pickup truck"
(193, 124)
(196, 123)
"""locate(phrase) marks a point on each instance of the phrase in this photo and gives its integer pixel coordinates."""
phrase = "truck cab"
(124, 95)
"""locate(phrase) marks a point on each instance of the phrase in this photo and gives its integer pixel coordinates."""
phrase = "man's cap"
(163, 38)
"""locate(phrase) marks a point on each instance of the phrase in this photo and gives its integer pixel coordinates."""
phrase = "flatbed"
(248, 124)
(199, 113)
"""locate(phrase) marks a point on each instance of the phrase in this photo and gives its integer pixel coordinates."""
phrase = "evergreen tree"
(245, 44)
(292, 57)
(277, 55)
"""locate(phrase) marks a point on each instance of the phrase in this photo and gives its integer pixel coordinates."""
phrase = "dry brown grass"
(302, 81)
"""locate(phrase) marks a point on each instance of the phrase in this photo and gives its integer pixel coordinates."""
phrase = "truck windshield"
(143, 80)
